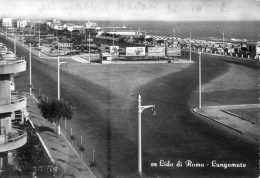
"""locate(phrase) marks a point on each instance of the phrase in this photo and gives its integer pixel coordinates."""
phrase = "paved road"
(173, 134)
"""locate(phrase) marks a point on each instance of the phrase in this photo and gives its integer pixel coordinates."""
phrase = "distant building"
(21, 23)
(91, 25)
(59, 27)
(7, 22)
(64, 45)
(75, 27)
(124, 33)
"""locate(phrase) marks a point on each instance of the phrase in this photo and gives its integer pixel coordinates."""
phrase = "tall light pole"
(30, 68)
(59, 63)
(113, 37)
(15, 44)
(140, 110)
(34, 29)
(58, 77)
(199, 80)
(223, 38)
(190, 46)
(89, 46)
(39, 39)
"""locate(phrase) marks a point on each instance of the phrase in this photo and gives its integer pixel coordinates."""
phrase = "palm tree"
(55, 111)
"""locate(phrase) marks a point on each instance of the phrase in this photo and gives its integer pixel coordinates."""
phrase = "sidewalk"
(219, 115)
(59, 147)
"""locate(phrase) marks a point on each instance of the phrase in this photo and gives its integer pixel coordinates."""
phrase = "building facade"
(12, 134)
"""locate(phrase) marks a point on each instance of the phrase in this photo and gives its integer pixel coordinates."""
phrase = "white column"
(139, 136)
(223, 38)
(39, 38)
(89, 47)
(58, 77)
(30, 68)
(15, 44)
(113, 37)
(190, 46)
(199, 80)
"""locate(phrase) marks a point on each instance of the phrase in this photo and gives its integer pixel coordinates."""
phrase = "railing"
(11, 66)
(17, 97)
(14, 141)
(17, 60)
(18, 102)
(18, 135)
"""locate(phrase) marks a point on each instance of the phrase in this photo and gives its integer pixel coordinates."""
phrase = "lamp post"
(140, 110)
(190, 46)
(58, 70)
(15, 44)
(30, 67)
(199, 80)
(39, 40)
(89, 46)
(59, 63)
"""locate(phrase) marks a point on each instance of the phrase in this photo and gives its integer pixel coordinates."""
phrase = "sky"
(162, 10)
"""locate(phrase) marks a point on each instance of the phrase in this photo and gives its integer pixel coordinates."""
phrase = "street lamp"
(15, 43)
(200, 80)
(190, 46)
(140, 110)
(39, 39)
(89, 46)
(30, 68)
(59, 63)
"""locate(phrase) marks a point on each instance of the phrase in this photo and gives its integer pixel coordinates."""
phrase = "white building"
(124, 33)
(59, 26)
(75, 27)
(21, 23)
(90, 25)
(7, 22)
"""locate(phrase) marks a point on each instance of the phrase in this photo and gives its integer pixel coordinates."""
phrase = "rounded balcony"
(3, 49)
(18, 102)
(12, 66)
(9, 55)
(13, 140)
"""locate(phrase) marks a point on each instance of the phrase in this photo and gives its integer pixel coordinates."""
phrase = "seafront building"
(12, 108)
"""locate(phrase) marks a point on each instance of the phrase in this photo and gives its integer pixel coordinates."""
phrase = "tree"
(55, 111)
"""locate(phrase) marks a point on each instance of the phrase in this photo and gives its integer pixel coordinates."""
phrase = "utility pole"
(113, 37)
(223, 38)
(30, 67)
(58, 71)
(190, 46)
(140, 110)
(199, 80)
(5, 32)
(39, 38)
(58, 77)
(89, 46)
(33, 29)
(71, 41)
(15, 44)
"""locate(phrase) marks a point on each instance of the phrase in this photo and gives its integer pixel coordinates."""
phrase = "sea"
(240, 30)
